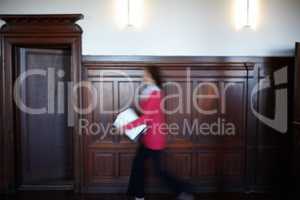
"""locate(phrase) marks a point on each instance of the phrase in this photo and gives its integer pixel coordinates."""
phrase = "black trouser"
(136, 182)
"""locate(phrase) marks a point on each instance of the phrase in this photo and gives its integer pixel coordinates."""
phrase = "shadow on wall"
(284, 52)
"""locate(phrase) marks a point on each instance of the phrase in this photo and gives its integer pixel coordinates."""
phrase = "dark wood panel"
(233, 164)
(295, 164)
(297, 84)
(37, 164)
(50, 31)
(181, 158)
(125, 161)
(101, 166)
(177, 110)
(180, 163)
(2, 177)
(239, 162)
(207, 165)
(104, 100)
(268, 167)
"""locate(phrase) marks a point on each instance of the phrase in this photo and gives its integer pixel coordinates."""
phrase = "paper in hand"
(124, 118)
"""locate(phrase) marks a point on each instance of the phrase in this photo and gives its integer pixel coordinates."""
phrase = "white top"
(149, 88)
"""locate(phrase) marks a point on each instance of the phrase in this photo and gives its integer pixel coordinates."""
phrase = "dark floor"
(70, 196)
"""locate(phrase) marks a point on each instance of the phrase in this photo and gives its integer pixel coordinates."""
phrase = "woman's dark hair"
(155, 74)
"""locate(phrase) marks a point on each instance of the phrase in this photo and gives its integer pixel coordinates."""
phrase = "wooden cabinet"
(38, 133)
(39, 151)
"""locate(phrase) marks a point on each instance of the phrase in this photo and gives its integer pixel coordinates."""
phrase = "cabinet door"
(44, 139)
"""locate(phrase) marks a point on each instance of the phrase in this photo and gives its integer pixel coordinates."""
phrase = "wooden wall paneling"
(239, 163)
(113, 92)
(295, 166)
(7, 123)
(295, 175)
(104, 100)
(251, 128)
(297, 84)
(178, 107)
(228, 164)
(203, 135)
(296, 118)
(213, 164)
(271, 145)
(234, 89)
(267, 138)
(101, 170)
(125, 169)
(2, 154)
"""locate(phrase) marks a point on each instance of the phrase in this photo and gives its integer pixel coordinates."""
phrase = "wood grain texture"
(48, 31)
(39, 133)
(295, 124)
(41, 24)
(247, 161)
(257, 158)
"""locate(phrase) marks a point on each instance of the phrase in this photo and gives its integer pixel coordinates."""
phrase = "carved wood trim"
(46, 24)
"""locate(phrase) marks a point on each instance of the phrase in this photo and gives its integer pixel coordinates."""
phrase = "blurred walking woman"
(153, 141)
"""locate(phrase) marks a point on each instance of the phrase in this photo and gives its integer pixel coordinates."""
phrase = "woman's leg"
(136, 181)
(175, 184)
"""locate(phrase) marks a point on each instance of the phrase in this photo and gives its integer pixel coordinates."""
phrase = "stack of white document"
(124, 118)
